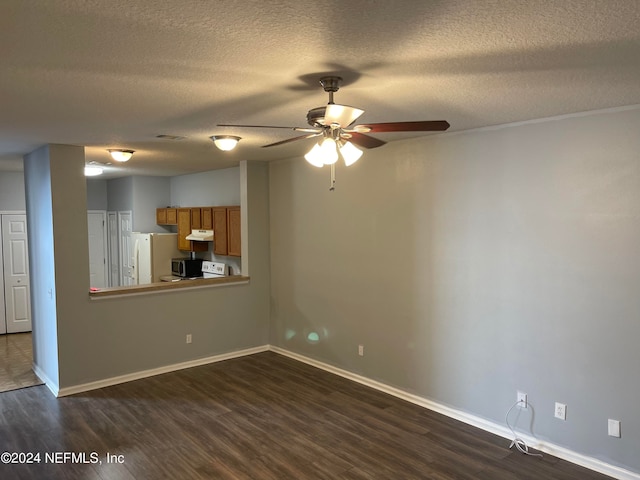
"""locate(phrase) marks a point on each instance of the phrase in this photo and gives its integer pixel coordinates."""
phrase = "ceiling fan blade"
(253, 126)
(307, 130)
(343, 115)
(426, 126)
(365, 140)
(288, 140)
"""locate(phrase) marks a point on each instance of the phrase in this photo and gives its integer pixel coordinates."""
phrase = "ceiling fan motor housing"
(330, 83)
(315, 116)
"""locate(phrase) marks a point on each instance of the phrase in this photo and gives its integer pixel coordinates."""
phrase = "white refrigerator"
(152, 254)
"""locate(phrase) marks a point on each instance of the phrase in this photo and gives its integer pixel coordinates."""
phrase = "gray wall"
(139, 194)
(120, 194)
(112, 337)
(54, 253)
(12, 195)
(217, 187)
(97, 194)
(149, 193)
(473, 265)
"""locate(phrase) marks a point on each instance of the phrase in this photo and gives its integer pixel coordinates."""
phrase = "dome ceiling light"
(225, 142)
(120, 155)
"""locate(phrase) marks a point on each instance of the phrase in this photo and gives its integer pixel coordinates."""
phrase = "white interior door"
(124, 234)
(96, 220)
(114, 259)
(15, 255)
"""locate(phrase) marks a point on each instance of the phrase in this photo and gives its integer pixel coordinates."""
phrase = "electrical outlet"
(189, 338)
(561, 411)
(361, 350)
(614, 428)
(522, 399)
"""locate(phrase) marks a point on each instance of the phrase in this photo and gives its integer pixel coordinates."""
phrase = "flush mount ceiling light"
(225, 142)
(120, 155)
(92, 171)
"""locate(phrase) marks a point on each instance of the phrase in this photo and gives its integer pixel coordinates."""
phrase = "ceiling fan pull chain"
(333, 177)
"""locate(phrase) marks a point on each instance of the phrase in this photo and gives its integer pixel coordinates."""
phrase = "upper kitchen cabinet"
(196, 218)
(226, 231)
(206, 215)
(185, 218)
(233, 231)
(220, 230)
(167, 216)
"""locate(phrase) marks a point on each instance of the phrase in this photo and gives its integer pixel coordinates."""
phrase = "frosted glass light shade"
(314, 156)
(328, 151)
(225, 142)
(91, 171)
(350, 153)
(121, 155)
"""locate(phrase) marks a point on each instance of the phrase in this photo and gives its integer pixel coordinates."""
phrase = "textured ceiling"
(116, 73)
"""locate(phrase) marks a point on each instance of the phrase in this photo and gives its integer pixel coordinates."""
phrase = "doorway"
(16, 369)
(16, 344)
(98, 274)
(15, 313)
(125, 229)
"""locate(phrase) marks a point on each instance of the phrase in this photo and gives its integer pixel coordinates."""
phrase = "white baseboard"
(50, 384)
(107, 382)
(479, 422)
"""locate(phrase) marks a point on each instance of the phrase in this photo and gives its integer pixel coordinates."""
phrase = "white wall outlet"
(189, 338)
(614, 428)
(561, 411)
(361, 350)
(522, 399)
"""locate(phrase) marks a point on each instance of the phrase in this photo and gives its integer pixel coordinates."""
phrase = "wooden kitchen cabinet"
(185, 216)
(196, 218)
(226, 231)
(167, 216)
(219, 230)
(233, 231)
(206, 216)
(224, 221)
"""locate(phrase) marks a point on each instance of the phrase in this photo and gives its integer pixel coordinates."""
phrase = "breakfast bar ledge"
(166, 287)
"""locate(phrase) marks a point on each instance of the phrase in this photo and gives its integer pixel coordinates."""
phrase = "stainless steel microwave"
(186, 267)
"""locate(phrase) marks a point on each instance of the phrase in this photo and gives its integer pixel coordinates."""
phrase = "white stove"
(214, 269)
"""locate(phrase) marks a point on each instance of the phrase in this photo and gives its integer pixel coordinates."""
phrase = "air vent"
(170, 137)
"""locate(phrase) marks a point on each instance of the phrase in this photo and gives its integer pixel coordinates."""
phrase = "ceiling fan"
(334, 123)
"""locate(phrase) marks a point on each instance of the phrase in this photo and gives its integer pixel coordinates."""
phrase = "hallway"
(16, 360)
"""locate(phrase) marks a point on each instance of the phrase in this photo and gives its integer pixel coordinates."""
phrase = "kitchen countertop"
(160, 287)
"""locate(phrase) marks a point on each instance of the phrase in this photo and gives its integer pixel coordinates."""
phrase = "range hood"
(201, 235)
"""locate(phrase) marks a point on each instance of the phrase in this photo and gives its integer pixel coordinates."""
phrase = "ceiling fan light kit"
(225, 142)
(120, 155)
(333, 123)
(326, 153)
(350, 153)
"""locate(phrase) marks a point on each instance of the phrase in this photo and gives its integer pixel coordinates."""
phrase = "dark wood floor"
(259, 417)
(16, 360)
